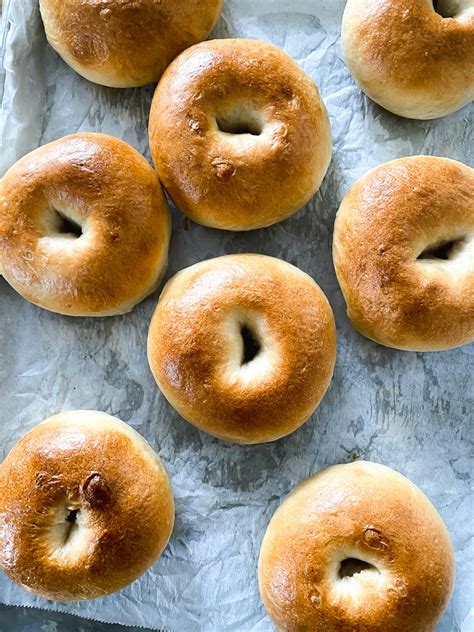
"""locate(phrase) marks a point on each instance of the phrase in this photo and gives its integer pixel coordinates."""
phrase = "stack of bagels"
(242, 346)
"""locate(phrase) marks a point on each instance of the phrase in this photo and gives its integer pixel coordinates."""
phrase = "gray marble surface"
(35, 620)
(410, 411)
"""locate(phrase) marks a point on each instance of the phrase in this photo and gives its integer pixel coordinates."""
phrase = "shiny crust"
(387, 219)
(104, 185)
(365, 511)
(95, 463)
(120, 43)
(239, 181)
(408, 58)
(195, 347)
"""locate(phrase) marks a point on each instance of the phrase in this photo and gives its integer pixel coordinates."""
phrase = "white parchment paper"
(410, 411)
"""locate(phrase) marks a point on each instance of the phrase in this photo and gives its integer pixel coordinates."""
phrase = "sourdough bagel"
(404, 253)
(412, 57)
(356, 547)
(238, 134)
(84, 226)
(122, 44)
(85, 507)
(243, 346)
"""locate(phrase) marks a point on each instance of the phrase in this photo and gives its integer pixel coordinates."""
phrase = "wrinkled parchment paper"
(410, 411)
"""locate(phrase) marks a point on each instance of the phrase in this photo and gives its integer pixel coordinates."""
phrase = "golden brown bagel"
(410, 59)
(243, 346)
(86, 507)
(238, 134)
(356, 548)
(404, 254)
(122, 44)
(84, 226)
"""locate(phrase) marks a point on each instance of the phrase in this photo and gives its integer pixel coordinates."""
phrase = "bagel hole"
(352, 566)
(446, 8)
(72, 515)
(250, 344)
(243, 120)
(442, 250)
(66, 226)
(71, 519)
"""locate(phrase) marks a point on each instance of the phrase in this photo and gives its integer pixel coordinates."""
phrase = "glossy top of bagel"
(85, 507)
(243, 346)
(122, 44)
(409, 58)
(84, 226)
(404, 253)
(356, 547)
(239, 134)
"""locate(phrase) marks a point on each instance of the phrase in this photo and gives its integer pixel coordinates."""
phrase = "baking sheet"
(410, 411)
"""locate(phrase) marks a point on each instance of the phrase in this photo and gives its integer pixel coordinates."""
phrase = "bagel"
(238, 134)
(404, 254)
(122, 44)
(412, 57)
(243, 347)
(86, 507)
(356, 547)
(84, 226)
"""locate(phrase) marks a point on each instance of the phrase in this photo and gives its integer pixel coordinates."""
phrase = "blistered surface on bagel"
(196, 346)
(361, 511)
(239, 181)
(398, 292)
(122, 44)
(110, 190)
(408, 58)
(95, 463)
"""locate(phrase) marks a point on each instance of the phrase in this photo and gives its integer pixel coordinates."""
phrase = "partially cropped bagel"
(122, 44)
(243, 346)
(84, 226)
(412, 57)
(356, 548)
(404, 253)
(86, 507)
(239, 134)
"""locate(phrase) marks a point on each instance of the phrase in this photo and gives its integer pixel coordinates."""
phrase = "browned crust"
(92, 461)
(124, 43)
(408, 58)
(366, 511)
(238, 182)
(385, 221)
(191, 347)
(115, 193)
